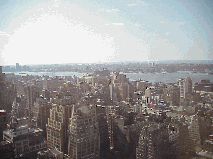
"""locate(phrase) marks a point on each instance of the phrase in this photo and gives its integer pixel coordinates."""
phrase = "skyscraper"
(84, 138)
(185, 86)
(57, 127)
(194, 134)
(41, 113)
(153, 142)
(103, 129)
(30, 101)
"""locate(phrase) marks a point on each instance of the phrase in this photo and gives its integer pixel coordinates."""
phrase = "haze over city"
(106, 79)
(80, 31)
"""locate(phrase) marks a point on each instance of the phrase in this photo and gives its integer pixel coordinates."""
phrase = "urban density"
(105, 115)
(106, 79)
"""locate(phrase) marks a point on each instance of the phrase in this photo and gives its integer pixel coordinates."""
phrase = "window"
(18, 144)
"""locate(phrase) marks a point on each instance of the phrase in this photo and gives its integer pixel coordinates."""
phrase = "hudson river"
(151, 77)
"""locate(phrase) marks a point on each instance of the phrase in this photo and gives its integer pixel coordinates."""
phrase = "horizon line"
(78, 63)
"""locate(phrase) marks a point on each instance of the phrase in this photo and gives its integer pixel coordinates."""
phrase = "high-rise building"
(180, 85)
(30, 101)
(6, 150)
(185, 86)
(3, 92)
(172, 95)
(45, 84)
(84, 138)
(57, 127)
(118, 87)
(148, 95)
(153, 142)
(110, 119)
(194, 133)
(41, 113)
(141, 85)
(32, 92)
(103, 129)
(4, 118)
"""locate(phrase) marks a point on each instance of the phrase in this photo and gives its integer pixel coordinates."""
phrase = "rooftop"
(2, 111)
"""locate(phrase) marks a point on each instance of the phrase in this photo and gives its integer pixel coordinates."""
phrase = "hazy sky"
(73, 31)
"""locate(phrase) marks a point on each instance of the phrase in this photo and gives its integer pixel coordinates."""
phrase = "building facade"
(57, 127)
(153, 142)
(84, 138)
(25, 140)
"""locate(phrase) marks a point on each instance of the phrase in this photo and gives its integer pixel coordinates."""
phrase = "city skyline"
(59, 31)
(107, 115)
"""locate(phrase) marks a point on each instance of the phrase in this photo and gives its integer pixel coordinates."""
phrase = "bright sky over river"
(87, 31)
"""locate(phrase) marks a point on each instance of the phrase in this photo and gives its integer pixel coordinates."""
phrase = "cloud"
(137, 25)
(182, 23)
(141, 2)
(134, 13)
(101, 10)
(109, 10)
(163, 22)
(115, 24)
(167, 33)
(3, 33)
(133, 4)
(118, 24)
(194, 53)
(113, 10)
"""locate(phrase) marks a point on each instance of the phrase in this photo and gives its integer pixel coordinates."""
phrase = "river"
(151, 77)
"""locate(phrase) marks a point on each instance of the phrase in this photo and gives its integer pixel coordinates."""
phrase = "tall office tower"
(103, 129)
(7, 92)
(46, 94)
(110, 120)
(180, 85)
(57, 127)
(185, 147)
(118, 87)
(187, 84)
(30, 101)
(172, 95)
(41, 113)
(205, 124)
(194, 133)
(141, 85)
(2, 91)
(123, 91)
(45, 84)
(148, 95)
(84, 138)
(153, 142)
(4, 118)
(18, 107)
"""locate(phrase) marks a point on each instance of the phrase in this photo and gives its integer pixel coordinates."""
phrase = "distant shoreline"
(151, 77)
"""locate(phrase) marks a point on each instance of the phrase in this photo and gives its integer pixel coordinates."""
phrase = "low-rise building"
(25, 139)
